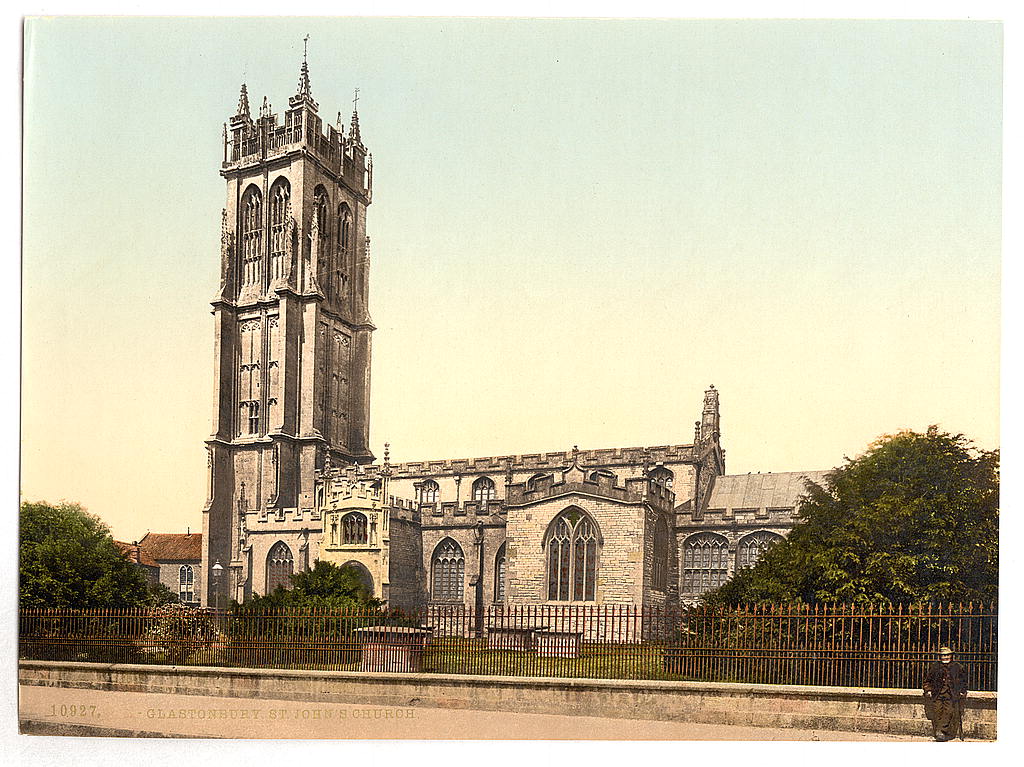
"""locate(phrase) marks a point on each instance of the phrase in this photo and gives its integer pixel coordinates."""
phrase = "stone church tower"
(292, 335)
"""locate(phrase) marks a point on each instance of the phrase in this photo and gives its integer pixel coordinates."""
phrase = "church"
(291, 478)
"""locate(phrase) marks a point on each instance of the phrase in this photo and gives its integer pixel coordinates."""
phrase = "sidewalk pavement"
(64, 711)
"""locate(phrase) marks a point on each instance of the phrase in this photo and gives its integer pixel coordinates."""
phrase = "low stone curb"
(897, 712)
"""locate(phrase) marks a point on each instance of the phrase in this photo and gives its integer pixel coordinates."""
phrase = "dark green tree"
(325, 586)
(67, 558)
(160, 595)
(913, 519)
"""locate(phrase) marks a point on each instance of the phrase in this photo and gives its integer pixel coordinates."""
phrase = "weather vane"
(305, 46)
(355, 100)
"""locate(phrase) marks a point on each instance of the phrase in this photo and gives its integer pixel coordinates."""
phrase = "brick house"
(178, 559)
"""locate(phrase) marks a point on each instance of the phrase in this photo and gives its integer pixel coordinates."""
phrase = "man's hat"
(945, 651)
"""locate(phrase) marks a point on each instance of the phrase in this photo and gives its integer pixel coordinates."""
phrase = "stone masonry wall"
(620, 559)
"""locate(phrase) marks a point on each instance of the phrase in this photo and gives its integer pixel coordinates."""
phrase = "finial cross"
(305, 46)
(355, 100)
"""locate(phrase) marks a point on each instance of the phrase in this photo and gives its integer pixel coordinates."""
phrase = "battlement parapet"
(250, 142)
(470, 509)
(600, 458)
(635, 489)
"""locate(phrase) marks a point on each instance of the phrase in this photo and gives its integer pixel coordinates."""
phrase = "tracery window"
(659, 571)
(429, 491)
(186, 584)
(484, 490)
(705, 562)
(499, 575)
(572, 549)
(252, 235)
(449, 565)
(279, 233)
(353, 528)
(753, 547)
(280, 566)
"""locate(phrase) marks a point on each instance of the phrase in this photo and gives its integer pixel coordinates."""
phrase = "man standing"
(945, 687)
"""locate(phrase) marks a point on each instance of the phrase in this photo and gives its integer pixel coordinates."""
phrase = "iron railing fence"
(831, 645)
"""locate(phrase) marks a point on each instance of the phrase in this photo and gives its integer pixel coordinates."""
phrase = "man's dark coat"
(952, 671)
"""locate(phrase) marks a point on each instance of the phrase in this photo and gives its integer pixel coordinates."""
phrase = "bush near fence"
(831, 645)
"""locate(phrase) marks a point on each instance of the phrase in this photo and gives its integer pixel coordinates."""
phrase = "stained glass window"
(572, 557)
(449, 572)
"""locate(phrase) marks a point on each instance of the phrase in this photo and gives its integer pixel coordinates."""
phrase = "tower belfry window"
(252, 236)
(279, 200)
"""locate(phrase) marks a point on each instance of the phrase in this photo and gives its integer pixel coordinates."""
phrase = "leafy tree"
(325, 586)
(315, 619)
(67, 558)
(160, 595)
(913, 519)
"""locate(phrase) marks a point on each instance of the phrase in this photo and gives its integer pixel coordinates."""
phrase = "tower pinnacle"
(354, 130)
(304, 87)
(243, 102)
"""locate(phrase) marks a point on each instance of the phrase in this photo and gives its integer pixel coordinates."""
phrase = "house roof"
(761, 491)
(136, 554)
(173, 546)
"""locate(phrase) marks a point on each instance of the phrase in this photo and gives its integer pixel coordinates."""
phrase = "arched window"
(662, 476)
(280, 565)
(753, 547)
(705, 562)
(429, 491)
(659, 571)
(449, 565)
(280, 194)
(484, 490)
(499, 575)
(572, 544)
(353, 528)
(186, 584)
(252, 235)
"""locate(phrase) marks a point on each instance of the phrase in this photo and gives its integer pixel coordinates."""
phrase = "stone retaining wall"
(826, 708)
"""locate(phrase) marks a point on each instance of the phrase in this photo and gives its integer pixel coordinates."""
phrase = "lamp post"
(218, 570)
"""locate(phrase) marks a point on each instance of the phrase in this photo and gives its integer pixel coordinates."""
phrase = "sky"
(576, 227)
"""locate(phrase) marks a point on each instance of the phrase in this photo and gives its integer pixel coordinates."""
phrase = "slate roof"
(761, 491)
(173, 546)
